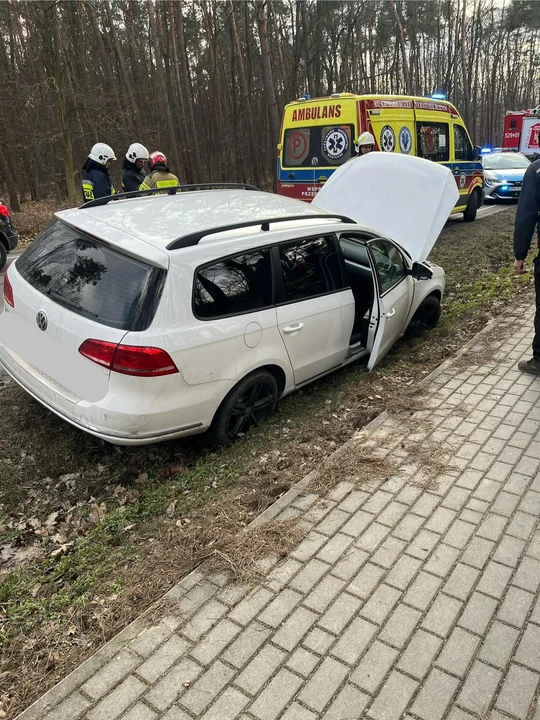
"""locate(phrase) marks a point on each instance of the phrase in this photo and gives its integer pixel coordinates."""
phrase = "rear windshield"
(325, 146)
(91, 279)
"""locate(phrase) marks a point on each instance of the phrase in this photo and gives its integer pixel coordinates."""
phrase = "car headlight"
(490, 180)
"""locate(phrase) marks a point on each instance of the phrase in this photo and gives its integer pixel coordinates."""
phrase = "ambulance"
(317, 136)
(522, 131)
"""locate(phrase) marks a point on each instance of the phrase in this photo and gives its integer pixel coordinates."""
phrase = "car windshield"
(505, 161)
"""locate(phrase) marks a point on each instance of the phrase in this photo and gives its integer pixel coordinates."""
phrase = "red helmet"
(156, 158)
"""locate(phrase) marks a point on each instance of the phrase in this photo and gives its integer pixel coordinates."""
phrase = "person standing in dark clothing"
(527, 217)
(96, 182)
(133, 167)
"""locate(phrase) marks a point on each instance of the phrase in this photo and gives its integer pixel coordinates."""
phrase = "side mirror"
(421, 272)
(477, 153)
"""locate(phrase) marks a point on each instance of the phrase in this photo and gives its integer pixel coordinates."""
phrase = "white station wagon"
(140, 319)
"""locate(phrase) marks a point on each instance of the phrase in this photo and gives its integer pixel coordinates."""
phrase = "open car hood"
(407, 199)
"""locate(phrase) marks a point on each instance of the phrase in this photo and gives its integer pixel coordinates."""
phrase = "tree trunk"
(464, 70)
(100, 46)
(160, 72)
(133, 111)
(269, 89)
(245, 88)
(399, 25)
(187, 92)
(10, 181)
(305, 43)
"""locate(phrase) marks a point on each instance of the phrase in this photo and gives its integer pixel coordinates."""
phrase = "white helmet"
(102, 153)
(136, 151)
(366, 138)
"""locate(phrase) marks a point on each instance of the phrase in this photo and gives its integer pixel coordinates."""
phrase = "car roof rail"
(196, 237)
(166, 190)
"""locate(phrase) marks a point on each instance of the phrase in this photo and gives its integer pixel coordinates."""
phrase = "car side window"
(389, 263)
(234, 285)
(463, 147)
(310, 268)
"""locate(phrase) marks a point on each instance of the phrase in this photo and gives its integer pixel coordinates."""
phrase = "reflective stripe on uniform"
(144, 186)
(166, 183)
(88, 189)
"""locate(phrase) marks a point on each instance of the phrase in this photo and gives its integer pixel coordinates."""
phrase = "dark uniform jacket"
(527, 212)
(132, 178)
(96, 182)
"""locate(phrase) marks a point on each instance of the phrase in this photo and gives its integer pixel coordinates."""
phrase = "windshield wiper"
(69, 303)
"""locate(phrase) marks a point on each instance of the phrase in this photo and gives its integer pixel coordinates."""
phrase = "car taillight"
(8, 292)
(129, 359)
(4, 212)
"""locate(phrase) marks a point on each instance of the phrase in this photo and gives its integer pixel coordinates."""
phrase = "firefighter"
(160, 176)
(133, 167)
(527, 221)
(96, 182)
(365, 143)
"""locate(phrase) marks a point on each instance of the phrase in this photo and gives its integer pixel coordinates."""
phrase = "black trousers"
(536, 341)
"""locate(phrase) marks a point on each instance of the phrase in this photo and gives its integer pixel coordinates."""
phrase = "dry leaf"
(52, 659)
(62, 550)
(97, 512)
(51, 520)
(169, 512)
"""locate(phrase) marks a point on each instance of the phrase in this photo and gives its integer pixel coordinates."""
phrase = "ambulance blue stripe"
(311, 175)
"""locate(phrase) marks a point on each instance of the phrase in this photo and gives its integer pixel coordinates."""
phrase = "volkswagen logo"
(41, 320)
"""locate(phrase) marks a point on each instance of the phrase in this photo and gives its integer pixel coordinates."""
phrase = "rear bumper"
(192, 415)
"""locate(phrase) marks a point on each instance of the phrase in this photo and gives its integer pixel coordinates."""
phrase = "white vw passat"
(140, 319)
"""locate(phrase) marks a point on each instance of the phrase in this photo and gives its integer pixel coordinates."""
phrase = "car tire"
(3, 257)
(426, 317)
(248, 404)
(472, 207)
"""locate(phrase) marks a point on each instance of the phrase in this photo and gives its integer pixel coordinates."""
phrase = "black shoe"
(531, 366)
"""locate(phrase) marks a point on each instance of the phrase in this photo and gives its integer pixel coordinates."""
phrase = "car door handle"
(293, 328)
(391, 312)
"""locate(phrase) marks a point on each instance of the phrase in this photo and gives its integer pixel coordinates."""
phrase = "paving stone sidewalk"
(401, 602)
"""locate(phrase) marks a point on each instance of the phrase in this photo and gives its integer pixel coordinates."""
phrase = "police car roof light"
(166, 190)
(438, 96)
(486, 150)
(307, 96)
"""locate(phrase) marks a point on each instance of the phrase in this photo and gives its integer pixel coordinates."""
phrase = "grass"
(128, 523)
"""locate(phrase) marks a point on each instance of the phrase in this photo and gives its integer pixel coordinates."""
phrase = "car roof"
(158, 220)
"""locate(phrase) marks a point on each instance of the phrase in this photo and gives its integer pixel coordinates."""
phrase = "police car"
(503, 173)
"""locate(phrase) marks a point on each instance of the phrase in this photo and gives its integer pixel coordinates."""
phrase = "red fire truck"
(521, 131)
